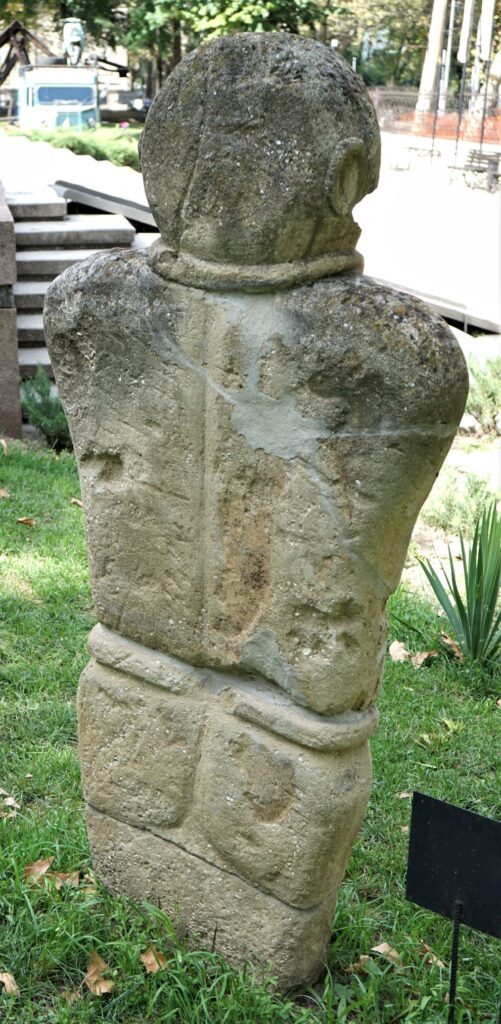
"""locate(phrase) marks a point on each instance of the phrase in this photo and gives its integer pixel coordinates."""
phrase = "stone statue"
(256, 426)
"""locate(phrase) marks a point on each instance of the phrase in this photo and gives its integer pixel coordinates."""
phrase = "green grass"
(105, 143)
(440, 730)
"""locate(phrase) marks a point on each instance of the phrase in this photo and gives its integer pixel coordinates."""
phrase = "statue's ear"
(346, 181)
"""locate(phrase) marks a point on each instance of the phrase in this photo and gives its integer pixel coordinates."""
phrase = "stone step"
(48, 263)
(30, 358)
(82, 229)
(41, 204)
(30, 327)
(30, 294)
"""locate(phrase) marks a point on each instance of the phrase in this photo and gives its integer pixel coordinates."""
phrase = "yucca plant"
(475, 618)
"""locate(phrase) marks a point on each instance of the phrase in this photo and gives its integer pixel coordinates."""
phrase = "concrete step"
(30, 294)
(82, 229)
(30, 358)
(30, 327)
(41, 204)
(48, 263)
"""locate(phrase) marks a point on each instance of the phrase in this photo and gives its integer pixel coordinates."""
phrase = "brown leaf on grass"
(404, 795)
(3, 493)
(4, 445)
(360, 967)
(423, 658)
(431, 957)
(71, 997)
(9, 983)
(398, 651)
(384, 949)
(60, 878)
(404, 828)
(94, 979)
(451, 646)
(153, 960)
(37, 869)
(28, 775)
(10, 802)
(498, 702)
(76, 501)
(27, 521)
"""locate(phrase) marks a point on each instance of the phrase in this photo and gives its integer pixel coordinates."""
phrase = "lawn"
(440, 733)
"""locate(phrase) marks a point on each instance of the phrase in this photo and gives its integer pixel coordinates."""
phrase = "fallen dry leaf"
(71, 997)
(28, 775)
(423, 658)
(398, 651)
(10, 802)
(27, 521)
(404, 828)
(431, 957)
(60, 878)
(153, 960)
(498, 702)
(404, 795)
(384, 949)
(4, 445)
(360, 967)
(3, 493)
(9, 983)
(451, 646)
(94, 979)
(37, 869)
(76, 501)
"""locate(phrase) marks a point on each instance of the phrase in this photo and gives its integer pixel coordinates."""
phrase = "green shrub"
(45, 411)
(120, 147)
(484, 399)
(475, 619)
(459, 503)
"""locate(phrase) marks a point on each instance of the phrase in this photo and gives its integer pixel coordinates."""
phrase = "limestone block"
(252, 466)
(137, 750)
(283, 817)
(217, 908)
(256, 426)
(10, 407)
(7, 243)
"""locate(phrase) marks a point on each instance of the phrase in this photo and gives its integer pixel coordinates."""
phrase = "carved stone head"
(253, 155)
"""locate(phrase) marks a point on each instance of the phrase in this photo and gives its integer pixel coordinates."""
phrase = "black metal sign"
(455, 857)
(454, 868)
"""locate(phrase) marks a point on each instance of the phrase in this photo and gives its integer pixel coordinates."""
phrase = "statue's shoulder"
(95, 285)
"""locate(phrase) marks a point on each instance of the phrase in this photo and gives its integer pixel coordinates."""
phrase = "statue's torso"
(279, 446)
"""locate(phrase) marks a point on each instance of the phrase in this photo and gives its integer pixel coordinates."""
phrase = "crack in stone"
(204, 860)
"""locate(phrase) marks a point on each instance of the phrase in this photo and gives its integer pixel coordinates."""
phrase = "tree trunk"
(176, 43)
(429, 74)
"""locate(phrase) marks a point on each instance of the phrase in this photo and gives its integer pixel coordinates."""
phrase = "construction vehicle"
(54, 92)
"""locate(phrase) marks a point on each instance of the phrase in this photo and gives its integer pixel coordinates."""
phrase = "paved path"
(423, 229)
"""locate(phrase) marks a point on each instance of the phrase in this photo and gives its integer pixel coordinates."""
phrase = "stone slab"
(7, 243)
(218, 909)
(79, 229)
(48, 262)
(10, 408)
(42, 204)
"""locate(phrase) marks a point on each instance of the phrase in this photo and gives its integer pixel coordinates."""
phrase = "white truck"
(58, 96)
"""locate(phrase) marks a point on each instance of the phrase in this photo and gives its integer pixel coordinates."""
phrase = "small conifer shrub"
(44, 410)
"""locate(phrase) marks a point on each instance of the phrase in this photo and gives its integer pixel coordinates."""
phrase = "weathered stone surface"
(253, 156)
(217, 908)
(256, 426)
(252, 466)
(215, 768)
(143, 768)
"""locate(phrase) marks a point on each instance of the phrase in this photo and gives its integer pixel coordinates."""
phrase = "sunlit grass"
(440, 733)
